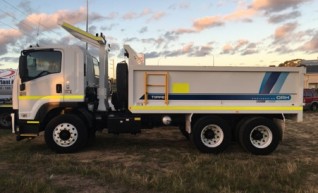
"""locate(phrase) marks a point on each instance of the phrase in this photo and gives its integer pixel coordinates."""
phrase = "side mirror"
(23, 69)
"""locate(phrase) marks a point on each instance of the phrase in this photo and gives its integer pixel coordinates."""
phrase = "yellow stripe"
(215, 108)
(28, 135)
(137, 119)
(33, 122)
(80, 97)
(5, 106)
(74, 97)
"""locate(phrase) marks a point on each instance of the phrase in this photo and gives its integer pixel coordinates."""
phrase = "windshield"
(41, 63)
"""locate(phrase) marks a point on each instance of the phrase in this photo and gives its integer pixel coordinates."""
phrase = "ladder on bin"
(164, 85)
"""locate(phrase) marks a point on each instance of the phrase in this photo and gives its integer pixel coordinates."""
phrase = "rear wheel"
(211, 134)
(66, 134)
(259, 136)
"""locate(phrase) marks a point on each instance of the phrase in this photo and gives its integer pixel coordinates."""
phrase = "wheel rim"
(261, 137)
(212, 135)
(65, 134)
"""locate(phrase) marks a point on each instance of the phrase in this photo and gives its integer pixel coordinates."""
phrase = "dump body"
(216, 90)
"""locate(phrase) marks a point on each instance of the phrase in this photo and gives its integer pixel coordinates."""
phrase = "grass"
(161, 160)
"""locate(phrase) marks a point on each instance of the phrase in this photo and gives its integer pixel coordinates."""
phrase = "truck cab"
(51, 79)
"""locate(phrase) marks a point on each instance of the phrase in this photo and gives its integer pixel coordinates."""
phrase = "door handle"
(58, 88)
(22, 87)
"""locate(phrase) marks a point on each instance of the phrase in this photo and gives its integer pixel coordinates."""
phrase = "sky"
(169, 32)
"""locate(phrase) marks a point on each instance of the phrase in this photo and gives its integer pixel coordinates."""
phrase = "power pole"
(86, 21)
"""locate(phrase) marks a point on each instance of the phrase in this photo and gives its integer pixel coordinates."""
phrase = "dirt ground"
(300, 143)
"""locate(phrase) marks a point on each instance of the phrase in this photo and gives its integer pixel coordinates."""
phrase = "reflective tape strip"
(215, 108)
(3, 106)
(33, 122)
(40, 97)
(28, 135)
(137, 118)
(78, 97)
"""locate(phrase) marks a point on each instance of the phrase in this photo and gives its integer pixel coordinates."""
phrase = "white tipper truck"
(59, 92)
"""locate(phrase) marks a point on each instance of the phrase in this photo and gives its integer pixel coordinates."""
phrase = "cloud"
(184, 30)
(111, 15)
(152, 54)
(9, 59)
(287, 38)
(181, 5)
(279, 18)
(130, 15)
(311, 46)
(8, 36)
(171, 36)
(246, 12)
(143, 30)
(157, 16)
(207, 22)
(228, 49)
(276, 5)
(109, 27)
(283, 49)
(51, 21)
(284, 31)
(145, 13)
(25, 6)
(242, 46)
(132, 39)
(240, 14)
(188, 49)
(201, 51)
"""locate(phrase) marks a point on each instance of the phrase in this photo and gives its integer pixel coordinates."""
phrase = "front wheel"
(259, 136)
(211, 134)
(66, 134)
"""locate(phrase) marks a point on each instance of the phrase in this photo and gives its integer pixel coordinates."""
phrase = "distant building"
(311, 76)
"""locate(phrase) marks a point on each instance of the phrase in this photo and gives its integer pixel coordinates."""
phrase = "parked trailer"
(57, 91)
(6, 81)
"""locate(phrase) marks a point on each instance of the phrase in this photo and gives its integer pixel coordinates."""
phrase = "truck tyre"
(211, 134)
(259, 136)
(314, 107)
(5, 121)
(122, 85)
(66, 134)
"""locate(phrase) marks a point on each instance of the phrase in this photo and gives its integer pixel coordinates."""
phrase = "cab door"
(41, 76)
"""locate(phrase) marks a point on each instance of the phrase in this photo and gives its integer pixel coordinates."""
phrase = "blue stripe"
(268, 82)
(279, 84)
